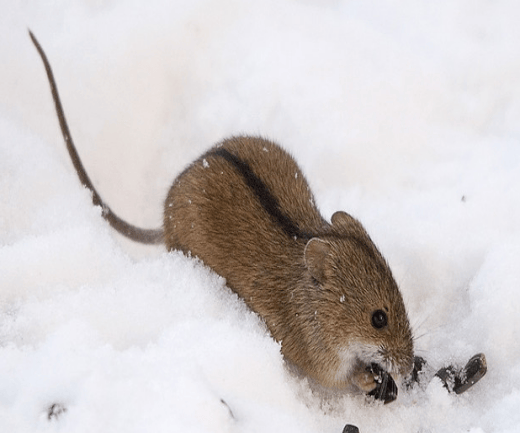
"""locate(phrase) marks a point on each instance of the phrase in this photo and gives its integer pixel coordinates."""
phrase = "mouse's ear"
(315, 254)
(342, 219)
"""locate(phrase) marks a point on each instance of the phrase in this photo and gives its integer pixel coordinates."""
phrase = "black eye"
(379, 319)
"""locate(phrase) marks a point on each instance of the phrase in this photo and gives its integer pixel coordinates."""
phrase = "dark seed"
(55, 410)
(386, 389)
(460, 380)
(349, 428)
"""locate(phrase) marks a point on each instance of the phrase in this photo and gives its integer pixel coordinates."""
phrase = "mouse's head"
(362, 318)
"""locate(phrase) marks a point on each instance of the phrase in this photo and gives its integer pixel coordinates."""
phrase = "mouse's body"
(246, 210)
(323, 289)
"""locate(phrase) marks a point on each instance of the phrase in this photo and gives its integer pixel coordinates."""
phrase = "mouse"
(323, 289)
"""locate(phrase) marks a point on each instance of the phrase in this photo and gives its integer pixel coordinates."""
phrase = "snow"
(405, 114)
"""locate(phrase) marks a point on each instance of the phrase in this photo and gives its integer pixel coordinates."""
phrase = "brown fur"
(245, 209)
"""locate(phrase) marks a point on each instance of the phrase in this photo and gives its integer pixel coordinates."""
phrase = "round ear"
(315, 254)
(342, 219)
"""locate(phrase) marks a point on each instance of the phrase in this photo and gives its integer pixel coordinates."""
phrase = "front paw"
(364, 378)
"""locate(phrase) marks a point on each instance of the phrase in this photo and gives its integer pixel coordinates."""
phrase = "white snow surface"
(406, 114)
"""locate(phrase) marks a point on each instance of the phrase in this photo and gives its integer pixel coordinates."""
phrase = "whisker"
(417, 337)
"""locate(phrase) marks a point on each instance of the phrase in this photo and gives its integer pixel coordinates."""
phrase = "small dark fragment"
(460, 380)
(419, 368)
(349, 428)
(386, 389)
(55, 411)
(419, 364)
(228, 408)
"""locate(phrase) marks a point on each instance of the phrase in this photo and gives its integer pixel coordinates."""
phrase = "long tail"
(137, 234)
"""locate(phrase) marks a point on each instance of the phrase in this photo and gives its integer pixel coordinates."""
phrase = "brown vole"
(323, 289)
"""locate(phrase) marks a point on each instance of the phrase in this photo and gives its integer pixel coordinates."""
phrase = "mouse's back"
(242, 204)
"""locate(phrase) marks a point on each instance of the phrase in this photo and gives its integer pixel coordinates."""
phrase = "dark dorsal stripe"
(266, 199)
